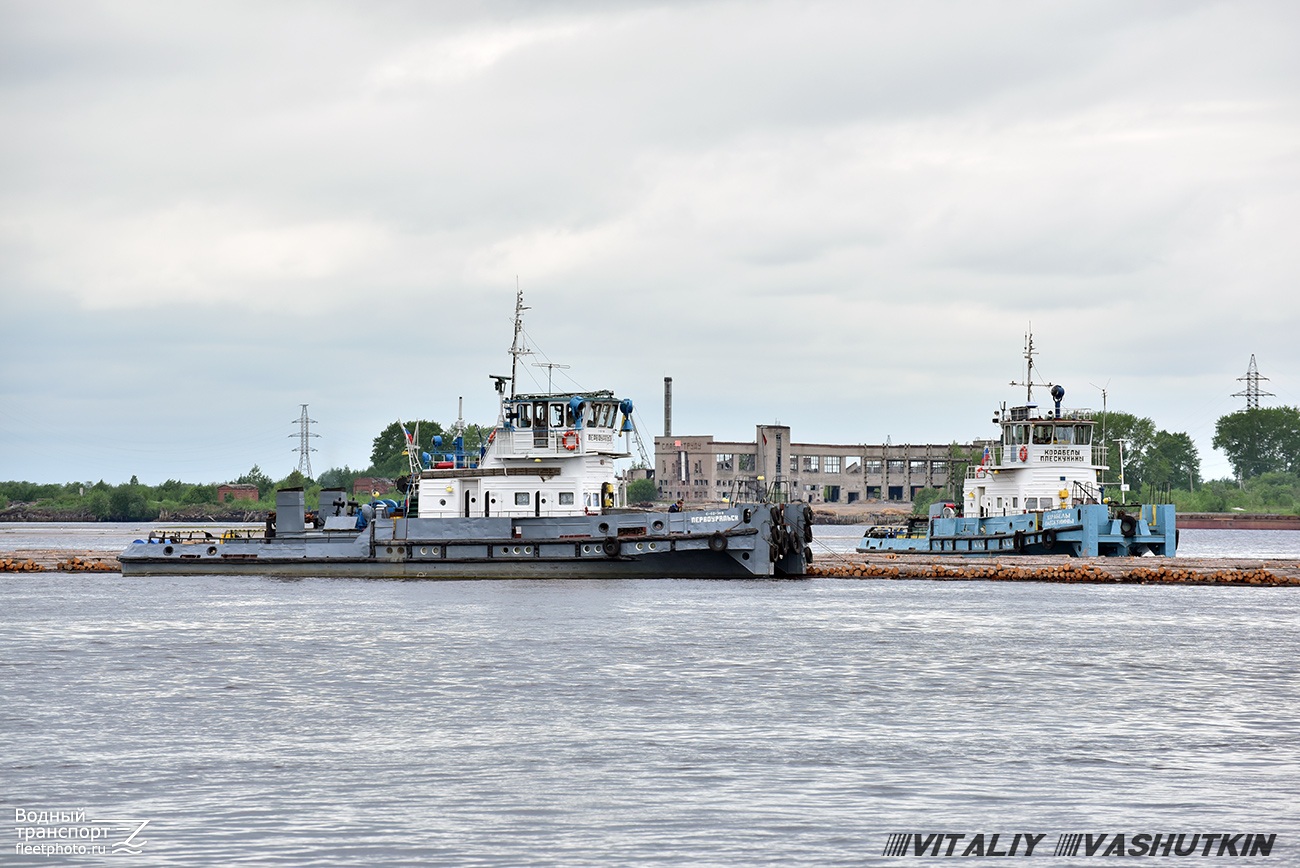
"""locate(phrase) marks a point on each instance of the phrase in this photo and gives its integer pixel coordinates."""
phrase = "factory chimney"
(668, 406)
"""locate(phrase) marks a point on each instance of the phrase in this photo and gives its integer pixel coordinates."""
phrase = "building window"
(873, 492)
(521, 498)
(746, 463)
(896, 468)
(831, 464)
(916, 467)
(794, 463)
(810, 463)
(938, 467)
(566, 498)
(726, 461)
(872, 467)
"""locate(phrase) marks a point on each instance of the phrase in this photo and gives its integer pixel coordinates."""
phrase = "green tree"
(1260, 441)
(925, 497)
(959, 459)
(200, 494)
(295, 479)
(388, 454)
(642, 491)
(97, 504)
(255, 476)
(1138, 435)
(1171, 461)
(128, 503)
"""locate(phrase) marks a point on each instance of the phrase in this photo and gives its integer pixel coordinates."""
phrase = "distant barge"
(1237, 521)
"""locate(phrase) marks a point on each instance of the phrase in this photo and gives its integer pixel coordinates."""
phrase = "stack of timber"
(62, 560)
(1132, 571)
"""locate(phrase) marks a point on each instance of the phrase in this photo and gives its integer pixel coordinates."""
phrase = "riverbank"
(35, 512)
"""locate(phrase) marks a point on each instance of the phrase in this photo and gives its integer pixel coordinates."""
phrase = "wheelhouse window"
(1015, 435)
(523, 415)
(1043, 434)
(1083, 435)
(1065, 434)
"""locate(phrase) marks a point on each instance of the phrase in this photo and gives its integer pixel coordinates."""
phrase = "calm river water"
(324, 722)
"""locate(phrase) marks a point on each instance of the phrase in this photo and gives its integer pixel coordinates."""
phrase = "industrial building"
(698, 469)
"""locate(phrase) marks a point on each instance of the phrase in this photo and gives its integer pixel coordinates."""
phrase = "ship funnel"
(668, 406)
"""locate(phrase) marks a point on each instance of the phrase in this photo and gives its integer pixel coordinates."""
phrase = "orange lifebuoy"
(1024, 453)
(570, 440)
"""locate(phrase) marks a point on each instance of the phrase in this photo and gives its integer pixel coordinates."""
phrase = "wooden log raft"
(1139, 571)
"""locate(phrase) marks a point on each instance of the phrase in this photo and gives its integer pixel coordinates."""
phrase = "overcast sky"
(840, 216)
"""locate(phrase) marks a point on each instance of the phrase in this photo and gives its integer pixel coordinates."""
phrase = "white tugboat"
(1037, 491)
(541, 500)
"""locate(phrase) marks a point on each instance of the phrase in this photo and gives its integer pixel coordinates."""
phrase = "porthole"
(167, 550)
(212, 550)
(603, 527)
(658, 525)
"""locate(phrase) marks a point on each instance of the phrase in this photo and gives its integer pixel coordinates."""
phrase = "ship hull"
(735, 543)
(1088, 530)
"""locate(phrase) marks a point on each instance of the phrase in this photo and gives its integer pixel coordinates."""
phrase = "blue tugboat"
(1037, 491)
(541, 500)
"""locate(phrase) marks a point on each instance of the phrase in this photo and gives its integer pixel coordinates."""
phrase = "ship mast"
(519, 347)
(1029, 369)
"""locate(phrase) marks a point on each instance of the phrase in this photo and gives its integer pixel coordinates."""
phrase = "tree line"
(1262, 445)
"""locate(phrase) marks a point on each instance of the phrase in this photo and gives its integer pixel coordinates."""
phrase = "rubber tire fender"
(717, 542)
(807, 522)
(1128, 525)
(610, 547)
(1049, 539)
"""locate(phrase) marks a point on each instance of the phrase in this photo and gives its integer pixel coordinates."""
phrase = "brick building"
(236, 491)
